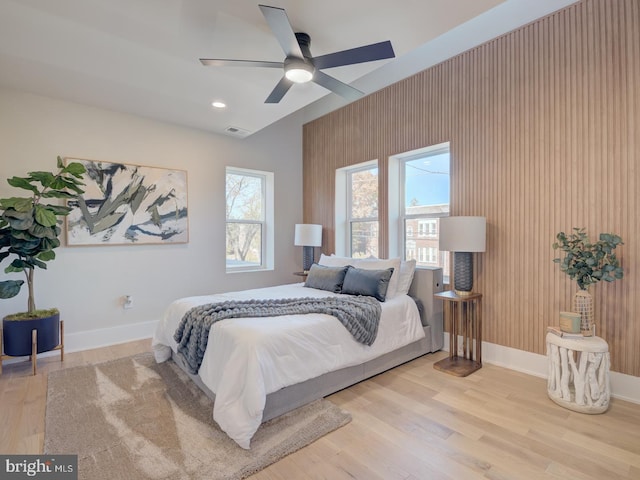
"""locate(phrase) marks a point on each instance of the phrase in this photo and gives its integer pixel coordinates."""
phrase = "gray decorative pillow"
(326, 278)
(371, 283)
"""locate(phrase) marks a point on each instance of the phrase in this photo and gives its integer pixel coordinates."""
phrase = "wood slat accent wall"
(544, 125)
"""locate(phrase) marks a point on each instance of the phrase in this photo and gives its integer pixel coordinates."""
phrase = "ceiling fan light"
(299, 75)
(297, 70)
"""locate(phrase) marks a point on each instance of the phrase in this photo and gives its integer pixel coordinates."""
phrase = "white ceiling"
(141, 56)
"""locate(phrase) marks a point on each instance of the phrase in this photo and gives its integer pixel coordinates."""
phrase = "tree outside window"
(363, 201)
(245, 219)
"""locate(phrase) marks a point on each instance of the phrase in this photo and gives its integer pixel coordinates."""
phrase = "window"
(426, 228)
(249, 219)
(363, 212)
(411, 250)
(427, 255)
(357, 210)
(423, 182)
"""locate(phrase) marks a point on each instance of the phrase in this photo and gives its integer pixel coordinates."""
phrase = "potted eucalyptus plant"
(29, 231)
(588, 263)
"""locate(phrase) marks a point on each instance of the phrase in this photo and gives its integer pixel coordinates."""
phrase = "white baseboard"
(103, 337)
(623, 387)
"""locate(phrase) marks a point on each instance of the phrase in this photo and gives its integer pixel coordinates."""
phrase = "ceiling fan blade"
(281, 28)
(367, 53)
(336, 86)
(223, 62)
(282, 87)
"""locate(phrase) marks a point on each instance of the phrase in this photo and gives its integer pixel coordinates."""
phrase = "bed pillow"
(372, 283)
(326, 278)
(370, 263)
(378, 264)
(407, 269)
(335, 261)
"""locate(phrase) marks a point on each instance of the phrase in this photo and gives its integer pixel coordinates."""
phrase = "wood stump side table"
(579, 373)
(465, 318)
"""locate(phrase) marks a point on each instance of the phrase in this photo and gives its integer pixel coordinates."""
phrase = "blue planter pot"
(16, 335)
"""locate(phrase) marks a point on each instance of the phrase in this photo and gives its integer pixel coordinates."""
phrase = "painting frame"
(128, 204)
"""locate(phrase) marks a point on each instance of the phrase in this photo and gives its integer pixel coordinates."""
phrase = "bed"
(259, 368)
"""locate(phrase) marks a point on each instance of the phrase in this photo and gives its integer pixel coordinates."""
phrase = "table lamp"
(308, 236)
(463, 236)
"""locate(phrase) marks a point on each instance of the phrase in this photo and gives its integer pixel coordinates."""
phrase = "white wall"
(87, 283)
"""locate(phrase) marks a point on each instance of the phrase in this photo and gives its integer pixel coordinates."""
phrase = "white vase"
(583, 304)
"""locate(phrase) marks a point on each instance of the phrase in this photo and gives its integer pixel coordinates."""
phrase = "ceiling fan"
(299, 65)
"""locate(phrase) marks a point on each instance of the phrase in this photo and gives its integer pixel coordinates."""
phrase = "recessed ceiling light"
(218, 104)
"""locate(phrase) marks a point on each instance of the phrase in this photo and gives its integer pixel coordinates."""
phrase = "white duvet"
(248, 358)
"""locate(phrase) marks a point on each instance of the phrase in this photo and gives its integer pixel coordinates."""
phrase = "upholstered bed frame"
(426, 282)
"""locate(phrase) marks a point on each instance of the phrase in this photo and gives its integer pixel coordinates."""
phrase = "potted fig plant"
(588, 263)
(29, 231)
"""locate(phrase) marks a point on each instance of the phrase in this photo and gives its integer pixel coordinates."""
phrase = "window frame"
(266, 223)
(343, 204)
(397, 209)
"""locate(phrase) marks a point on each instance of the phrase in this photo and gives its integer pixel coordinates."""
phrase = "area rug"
(134, 419)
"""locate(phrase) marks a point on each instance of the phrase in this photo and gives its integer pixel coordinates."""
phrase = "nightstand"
(301, 274)
(465, 318)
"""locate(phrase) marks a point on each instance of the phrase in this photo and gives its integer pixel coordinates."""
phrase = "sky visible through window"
(427, 180)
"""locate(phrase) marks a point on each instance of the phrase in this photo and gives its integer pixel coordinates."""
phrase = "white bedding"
(248, 358)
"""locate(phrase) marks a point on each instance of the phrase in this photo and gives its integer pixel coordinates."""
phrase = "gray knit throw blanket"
(360, 316)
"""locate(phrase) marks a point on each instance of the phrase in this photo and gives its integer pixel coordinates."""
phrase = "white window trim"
(342, 208)
(268, 224)
(396, 202)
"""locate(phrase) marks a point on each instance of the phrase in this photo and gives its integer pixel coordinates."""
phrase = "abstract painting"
(129, 205)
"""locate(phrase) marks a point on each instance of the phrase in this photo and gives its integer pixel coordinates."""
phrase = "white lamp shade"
(308, 235)
(463, 234)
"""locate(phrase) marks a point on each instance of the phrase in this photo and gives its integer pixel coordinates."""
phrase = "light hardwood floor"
(411, 423)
